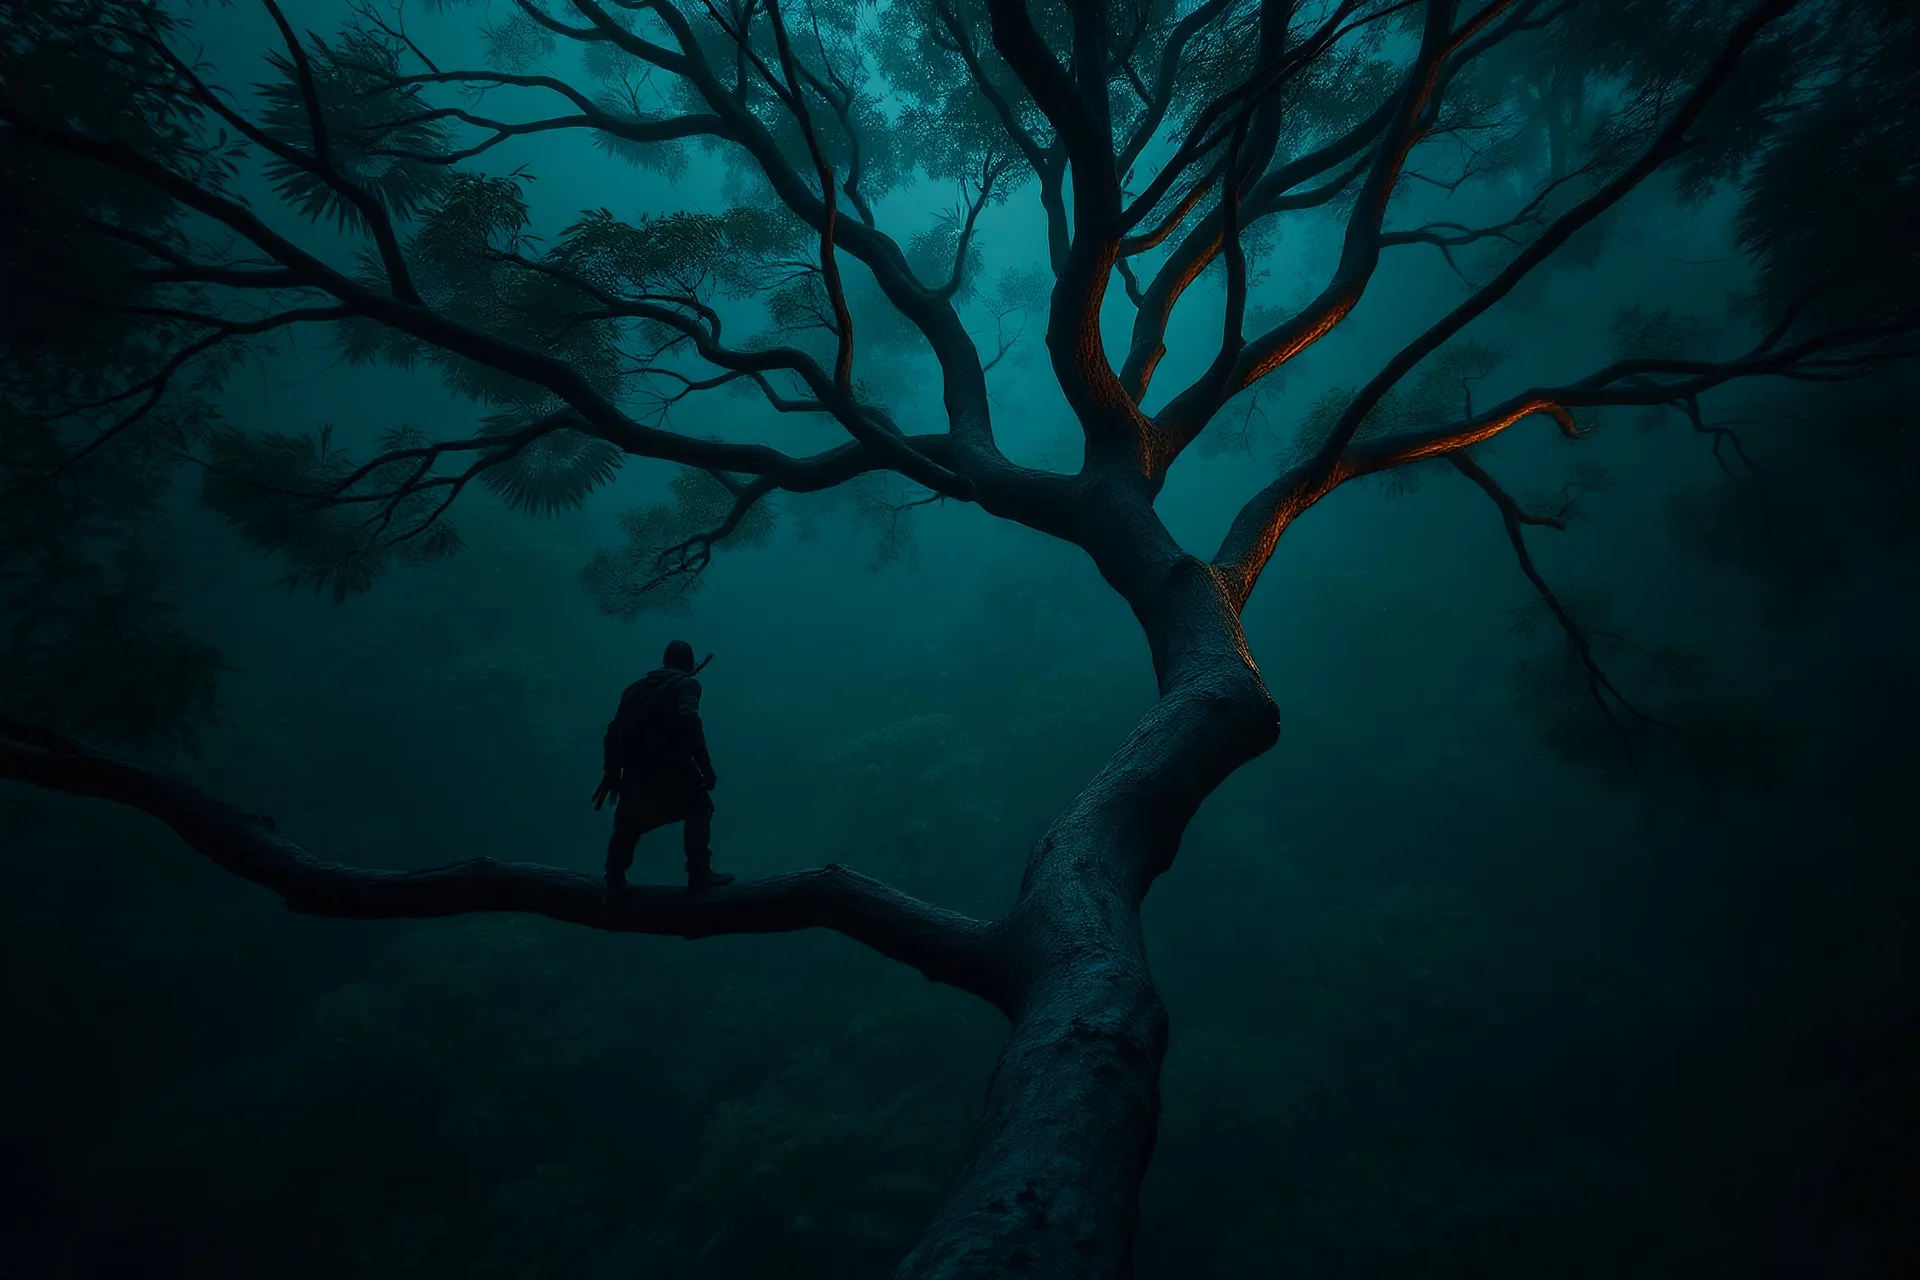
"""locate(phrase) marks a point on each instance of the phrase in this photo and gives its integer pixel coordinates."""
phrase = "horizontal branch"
(155, 386)
(1849, 353)
(945, 946)
(837, 398)
(601, 416)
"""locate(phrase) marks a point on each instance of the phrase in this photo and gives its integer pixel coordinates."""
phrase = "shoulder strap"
(660, 690)
(644, 713)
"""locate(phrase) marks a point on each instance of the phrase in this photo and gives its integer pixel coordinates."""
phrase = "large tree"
(156, 233)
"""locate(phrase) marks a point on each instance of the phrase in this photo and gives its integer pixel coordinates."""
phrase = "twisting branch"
(643, 131)
(829, 263)
(1689, 408)
(688, 386)
(152, 388)
(704, 333)
(486, 79)
(745, 498)
(1187, 414)
(391, 502)
(1074, 101)
(595, 34)
(1121, 439)
(691, 555)
(426, 455)
(1233, 337)
(1600, 685)
(395, 31)
(319, 164)
(839, 94)
(741, 35)
(1070, 111)
(601, 416)
(1273, 193)
(990, 173)
(1666, 144)
(1257, 528)
(1851, 351)
(1048, 162)
(965, 390)
(1195, 252)
(1217, 121)
(1159, 99)
(1448, 236)
(379, 225)
(945, 946)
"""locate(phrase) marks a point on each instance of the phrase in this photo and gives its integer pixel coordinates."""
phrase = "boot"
(701, 875)
(616, 887)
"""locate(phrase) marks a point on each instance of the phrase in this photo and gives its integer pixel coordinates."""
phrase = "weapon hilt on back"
(701, 665)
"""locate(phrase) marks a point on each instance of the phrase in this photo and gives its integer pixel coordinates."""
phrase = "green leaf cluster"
(383, 139)
(300, 497)
(650, 572)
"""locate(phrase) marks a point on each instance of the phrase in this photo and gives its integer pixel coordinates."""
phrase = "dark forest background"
(1457, 990)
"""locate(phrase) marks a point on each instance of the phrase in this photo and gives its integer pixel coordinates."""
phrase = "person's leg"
(632, 818)
(696, 831)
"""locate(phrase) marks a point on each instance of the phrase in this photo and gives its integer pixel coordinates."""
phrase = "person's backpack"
(646, 735)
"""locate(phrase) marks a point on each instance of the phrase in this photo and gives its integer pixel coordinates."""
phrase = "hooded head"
(679, 656)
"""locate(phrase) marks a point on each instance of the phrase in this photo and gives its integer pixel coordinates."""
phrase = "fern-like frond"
(554, 472)
(517, 43)
(370, 127)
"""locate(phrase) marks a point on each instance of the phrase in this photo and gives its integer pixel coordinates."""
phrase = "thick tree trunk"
(1051, 1188)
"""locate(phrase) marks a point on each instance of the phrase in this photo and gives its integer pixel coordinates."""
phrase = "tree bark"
(1051, 1188)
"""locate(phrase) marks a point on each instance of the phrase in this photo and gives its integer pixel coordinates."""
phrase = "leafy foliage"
(555, 471)
(94, 411)
(299, 496)
(653, 570)
(375, 133)
(517, 43)
(1805, 212)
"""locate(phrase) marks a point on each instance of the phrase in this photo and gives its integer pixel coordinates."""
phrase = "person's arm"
(610, 754)
(693, 733)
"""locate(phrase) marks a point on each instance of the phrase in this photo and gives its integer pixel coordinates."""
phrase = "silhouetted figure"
(658, 769)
